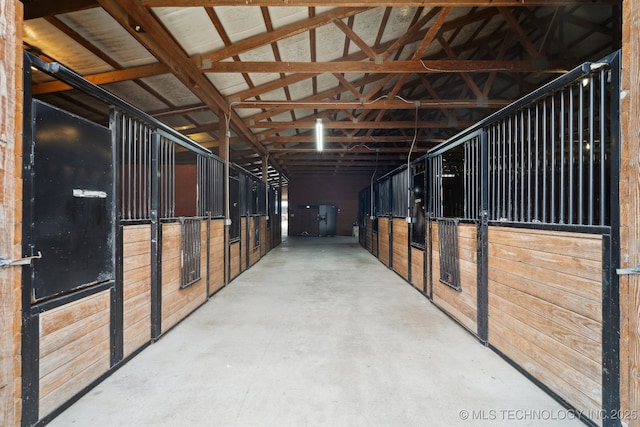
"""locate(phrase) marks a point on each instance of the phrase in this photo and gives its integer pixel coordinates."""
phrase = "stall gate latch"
(4, 262)
(625, 271)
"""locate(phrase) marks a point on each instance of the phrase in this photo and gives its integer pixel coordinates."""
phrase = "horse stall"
(522, 232)
(125, 218)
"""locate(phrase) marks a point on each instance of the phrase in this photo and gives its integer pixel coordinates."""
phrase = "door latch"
(625, 271)
(4, 262)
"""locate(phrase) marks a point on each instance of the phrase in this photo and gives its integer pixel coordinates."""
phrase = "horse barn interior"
(153, 153)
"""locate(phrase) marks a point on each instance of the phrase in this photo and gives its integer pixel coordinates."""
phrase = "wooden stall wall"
(545, 309)
(216, 256)
(417, 268)
(178, 303)
(400, 247)
(369, 241)
(461, 305)
(234, 260)
(74, 345)
(244, 238)
(254, 251)
(383, 241)
(265, 237)
(136, 284)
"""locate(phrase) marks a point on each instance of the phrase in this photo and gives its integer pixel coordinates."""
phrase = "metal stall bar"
(590, 149)
(581, 154)
(552, 214)
(603, 146)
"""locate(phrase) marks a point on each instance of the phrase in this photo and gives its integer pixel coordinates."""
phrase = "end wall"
(340, 190)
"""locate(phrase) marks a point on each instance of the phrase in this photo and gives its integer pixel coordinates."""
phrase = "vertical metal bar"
(494, 173)
(466, 180)
(476, 172)
(147, 187)
(591, 148)
(570, 166)
(544, 160)
(117, 290)
(135, 142)
(561, 218)
(529, 164)
(130, 163)
(517, 166)
(483, 244)
(503, 154)
(123, 162)
(552, 170)
(509, 137)
(523, 167)
(603, 146)
(611, 285)
(156, 239)
(581, 156)
(173, 179)
(536, 215)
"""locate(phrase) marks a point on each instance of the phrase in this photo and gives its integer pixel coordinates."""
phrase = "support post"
(483, 243)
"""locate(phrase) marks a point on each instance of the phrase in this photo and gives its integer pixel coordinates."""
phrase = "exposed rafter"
(378, 75)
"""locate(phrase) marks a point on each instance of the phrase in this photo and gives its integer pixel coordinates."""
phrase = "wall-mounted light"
(319, 135)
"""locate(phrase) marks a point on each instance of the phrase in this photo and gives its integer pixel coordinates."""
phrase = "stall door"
(327, 220)
(72, 207)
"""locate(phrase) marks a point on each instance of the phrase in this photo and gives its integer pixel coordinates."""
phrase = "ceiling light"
(319, 136)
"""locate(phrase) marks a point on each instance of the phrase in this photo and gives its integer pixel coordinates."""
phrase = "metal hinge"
(4, 262)
(625, 271)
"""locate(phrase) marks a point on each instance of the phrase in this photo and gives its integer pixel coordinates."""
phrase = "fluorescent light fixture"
(319, 136)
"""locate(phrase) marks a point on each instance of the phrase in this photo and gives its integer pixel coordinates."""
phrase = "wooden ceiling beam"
(361, 3)
(517, 29)
(167, 51)
(351, 35)
(385, 104)
(310, 124)
(397, 67)
(105, 78)
(354, 149)
(205, 60)
(358, 56)
(310, 139)
(40, 8)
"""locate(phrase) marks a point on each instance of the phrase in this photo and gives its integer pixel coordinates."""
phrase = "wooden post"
(630, 215)
(11, 13)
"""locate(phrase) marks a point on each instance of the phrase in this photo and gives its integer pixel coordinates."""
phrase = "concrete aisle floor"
(318, 333)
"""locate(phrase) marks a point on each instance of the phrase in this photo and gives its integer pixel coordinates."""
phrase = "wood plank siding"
(369, 238)
(461, 305)
(265, 237)
(178, 303)
(383, 240)
(136, 284)
(74, 349)
(254, 251)
(417, 269)
(234, 260)
(244, 239)
(400, 245)
(216, 256)
(629, 188)
(545, 308)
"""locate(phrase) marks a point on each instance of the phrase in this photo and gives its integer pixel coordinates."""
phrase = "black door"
(72, 207)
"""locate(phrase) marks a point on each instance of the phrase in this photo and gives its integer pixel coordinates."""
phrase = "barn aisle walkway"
(318, 333)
